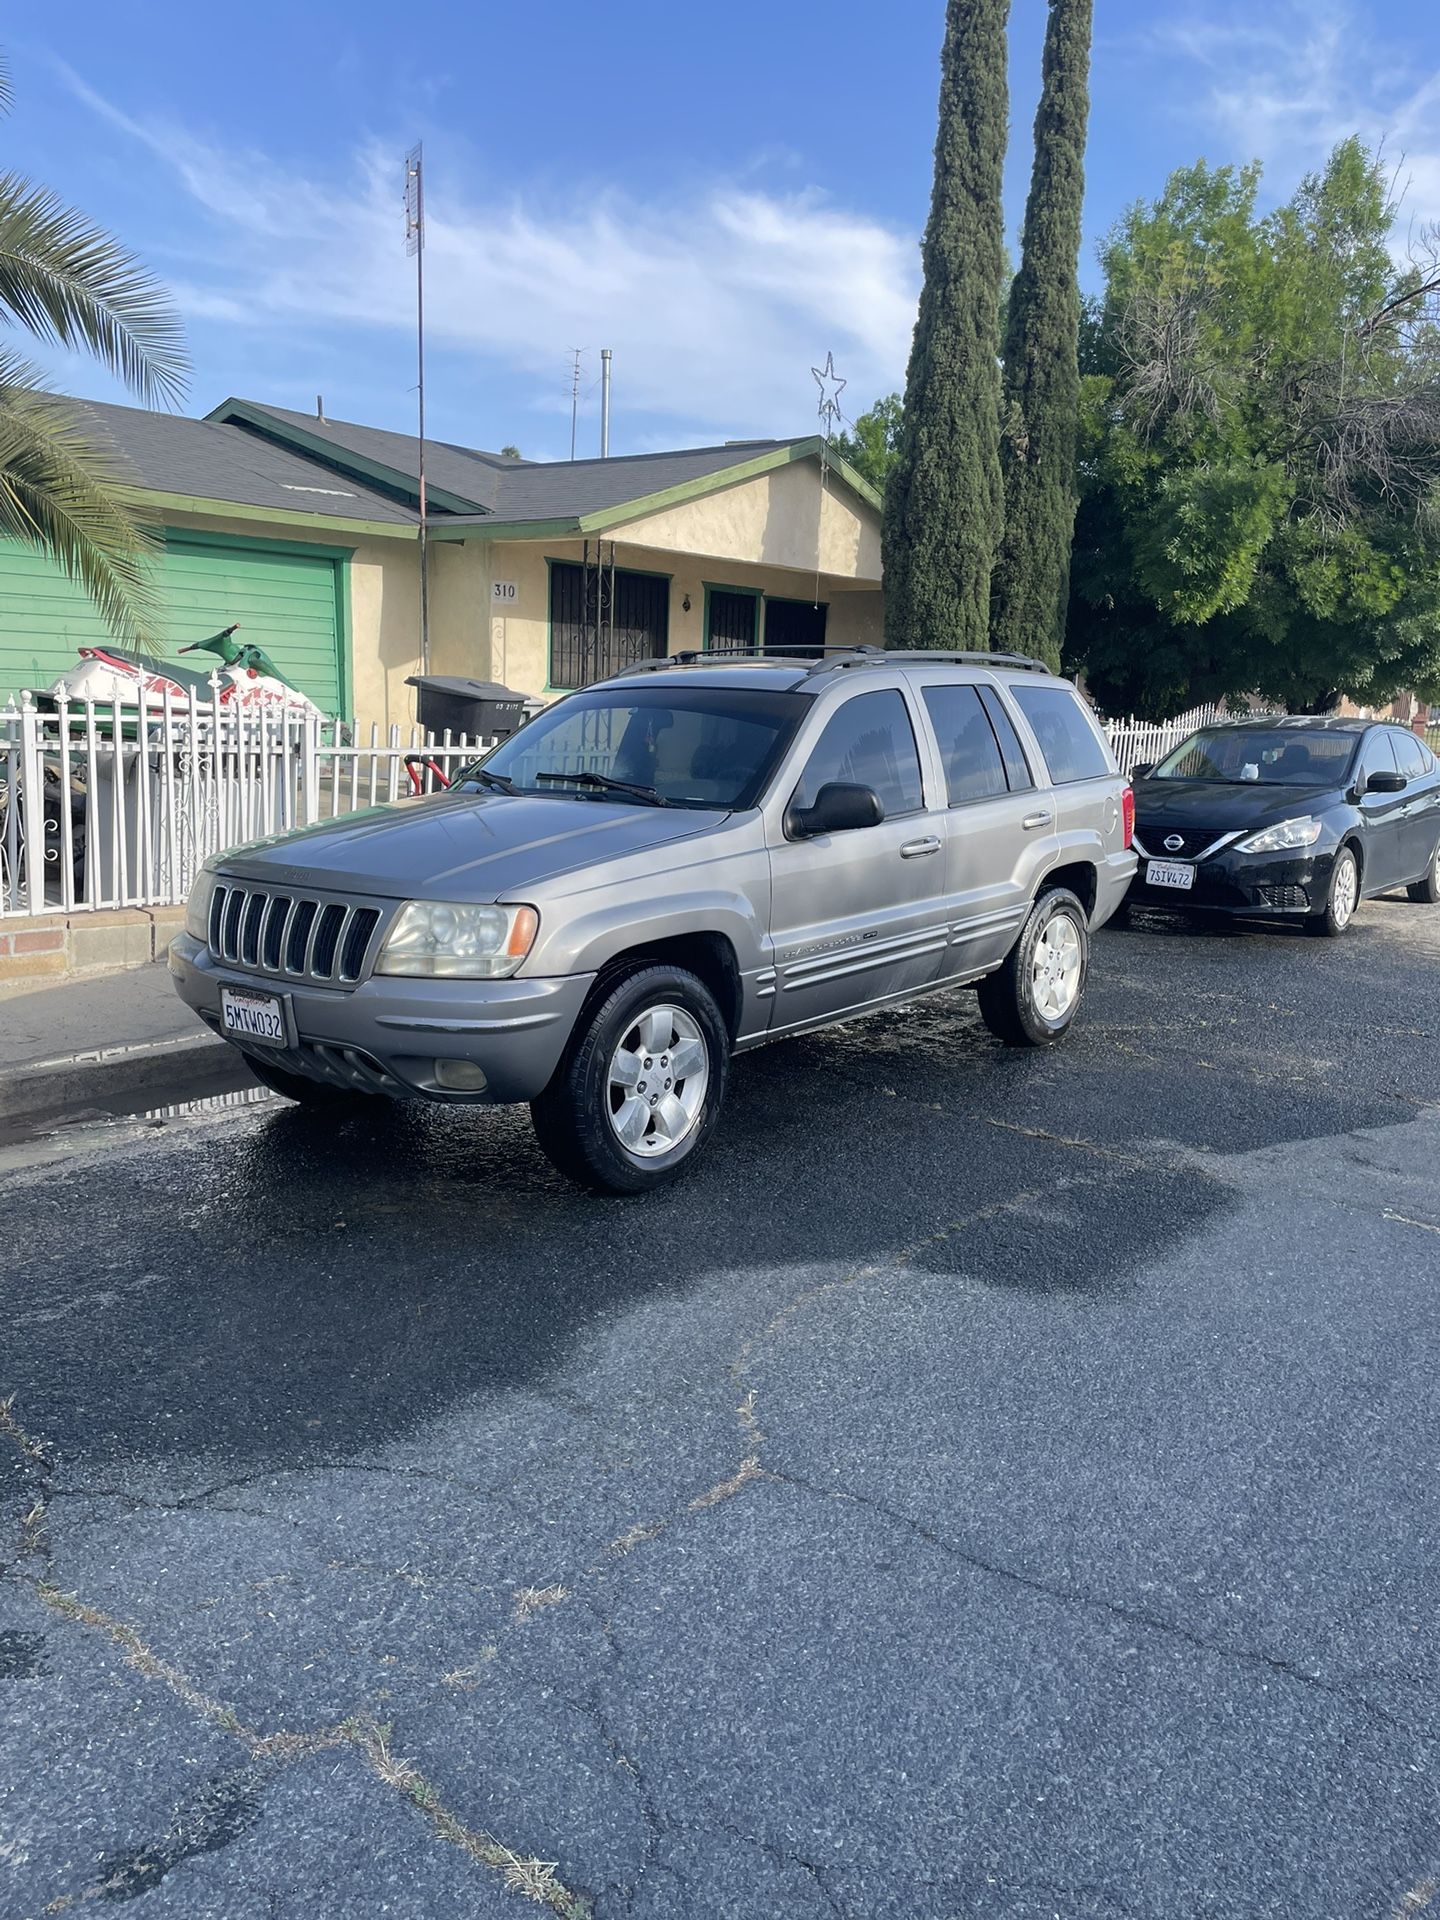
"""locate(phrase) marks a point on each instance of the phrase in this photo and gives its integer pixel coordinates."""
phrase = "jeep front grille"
(290, 935)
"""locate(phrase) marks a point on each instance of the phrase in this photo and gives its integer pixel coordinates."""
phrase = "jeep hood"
(477, 847)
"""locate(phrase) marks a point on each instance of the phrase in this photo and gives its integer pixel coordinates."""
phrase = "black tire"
(1008, 998)
(1426, 892)
(301, 1088)
(577, 1114)
(1335, 918)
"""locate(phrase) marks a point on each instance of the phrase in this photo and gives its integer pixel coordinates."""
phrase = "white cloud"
(1283, 86)
(716, 302)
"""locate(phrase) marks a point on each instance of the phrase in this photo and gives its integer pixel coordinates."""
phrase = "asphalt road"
(995, 1485)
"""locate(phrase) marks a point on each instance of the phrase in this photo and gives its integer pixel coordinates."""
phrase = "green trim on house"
(604, 518)
(255, 543)
(331, 454)
(233, 510)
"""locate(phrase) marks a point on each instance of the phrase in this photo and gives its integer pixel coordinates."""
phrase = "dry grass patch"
(532, 1600)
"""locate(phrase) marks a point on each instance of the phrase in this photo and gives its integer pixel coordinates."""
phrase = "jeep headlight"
(1290, 833)
(439, 940)
(197, 907)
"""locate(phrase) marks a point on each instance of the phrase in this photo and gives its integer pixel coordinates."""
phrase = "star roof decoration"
(831, 387)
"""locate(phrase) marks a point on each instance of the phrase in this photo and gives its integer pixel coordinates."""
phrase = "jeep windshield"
(711, 747)
(1267, 756)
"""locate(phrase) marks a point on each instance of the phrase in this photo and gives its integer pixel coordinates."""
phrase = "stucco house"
(542, 574)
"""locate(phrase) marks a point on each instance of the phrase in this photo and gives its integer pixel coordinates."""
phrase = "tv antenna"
(575, 353)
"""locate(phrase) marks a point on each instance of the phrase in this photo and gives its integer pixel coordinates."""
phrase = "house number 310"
(504, 590)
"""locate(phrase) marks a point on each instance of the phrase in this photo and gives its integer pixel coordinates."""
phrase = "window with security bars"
(602, 620)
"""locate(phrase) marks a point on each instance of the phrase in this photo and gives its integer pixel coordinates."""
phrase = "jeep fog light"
(460, 1076)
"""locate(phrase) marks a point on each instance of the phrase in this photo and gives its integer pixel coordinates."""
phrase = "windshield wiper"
(604, 783)
(501, 782)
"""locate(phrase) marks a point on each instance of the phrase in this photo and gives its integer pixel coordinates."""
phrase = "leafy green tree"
(1260, 449)
(872, 448)
(1041, 396)
(943, 501)
(67, 283)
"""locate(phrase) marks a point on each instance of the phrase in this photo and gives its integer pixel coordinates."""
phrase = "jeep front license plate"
(253, 1016)
(1170, 873)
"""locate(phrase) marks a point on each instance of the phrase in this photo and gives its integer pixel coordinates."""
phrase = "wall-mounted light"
(685, 603)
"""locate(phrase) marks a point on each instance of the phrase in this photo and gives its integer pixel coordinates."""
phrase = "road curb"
(102, 1074)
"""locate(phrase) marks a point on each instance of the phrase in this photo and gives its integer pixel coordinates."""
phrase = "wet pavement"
(995, 1484)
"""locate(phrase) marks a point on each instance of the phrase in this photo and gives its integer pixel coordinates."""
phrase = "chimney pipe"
(319, 406)
(604, 403)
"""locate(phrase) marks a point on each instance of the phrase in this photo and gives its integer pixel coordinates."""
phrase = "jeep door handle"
(912, 849)
(1033, 820)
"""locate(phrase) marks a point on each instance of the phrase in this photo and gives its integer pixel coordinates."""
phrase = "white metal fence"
(100, 808)
(1138, 743)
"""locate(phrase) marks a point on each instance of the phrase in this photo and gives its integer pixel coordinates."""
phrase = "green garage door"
(286, 599)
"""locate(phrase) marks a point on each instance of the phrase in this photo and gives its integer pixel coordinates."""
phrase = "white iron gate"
(100, 808)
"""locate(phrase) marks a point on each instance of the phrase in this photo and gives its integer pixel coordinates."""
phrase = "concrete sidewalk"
(83, 1041)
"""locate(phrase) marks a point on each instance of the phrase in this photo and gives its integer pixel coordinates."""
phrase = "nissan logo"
(1173, 843)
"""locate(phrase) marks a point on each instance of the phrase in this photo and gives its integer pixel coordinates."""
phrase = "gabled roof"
(487, 494)
(198, 461)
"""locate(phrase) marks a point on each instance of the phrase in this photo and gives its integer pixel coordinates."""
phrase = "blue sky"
(720, 194)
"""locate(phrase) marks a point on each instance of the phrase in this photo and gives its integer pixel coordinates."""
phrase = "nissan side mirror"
(1143, 771)
(840, 807)
(1384, 781)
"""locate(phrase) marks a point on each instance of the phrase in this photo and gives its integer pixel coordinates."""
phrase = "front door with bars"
(604, 617)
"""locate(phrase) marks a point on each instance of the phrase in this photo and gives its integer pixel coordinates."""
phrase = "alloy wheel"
(1055, 968)
(658, 1077)
(1345, 890)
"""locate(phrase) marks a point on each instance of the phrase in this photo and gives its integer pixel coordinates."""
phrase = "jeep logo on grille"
(1173, 842)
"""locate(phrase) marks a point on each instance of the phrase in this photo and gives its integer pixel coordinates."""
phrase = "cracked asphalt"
(995, 1485)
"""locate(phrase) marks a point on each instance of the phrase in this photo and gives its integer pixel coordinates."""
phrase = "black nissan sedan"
(1285, 817)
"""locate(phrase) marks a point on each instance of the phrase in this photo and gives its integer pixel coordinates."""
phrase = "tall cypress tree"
(944, 499)
(1041, 402)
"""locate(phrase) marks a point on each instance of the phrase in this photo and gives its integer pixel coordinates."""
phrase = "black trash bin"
(483, 709)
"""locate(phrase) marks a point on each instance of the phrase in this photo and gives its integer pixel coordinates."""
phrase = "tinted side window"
(1066, 737)
(871, 743)
(1379, 754)
(1017, 767)
(1409, 756)
(968, 747)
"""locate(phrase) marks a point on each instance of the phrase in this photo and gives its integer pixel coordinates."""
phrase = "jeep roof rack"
(831, 659)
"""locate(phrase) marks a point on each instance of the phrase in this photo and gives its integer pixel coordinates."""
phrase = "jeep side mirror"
(840, 807)
(1384, 781)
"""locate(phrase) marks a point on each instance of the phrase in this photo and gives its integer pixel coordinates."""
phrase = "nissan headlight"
(197, 907)
(438, 940)
(1290, 833)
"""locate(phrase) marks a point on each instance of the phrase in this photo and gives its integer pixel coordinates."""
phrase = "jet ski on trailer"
(120, 678)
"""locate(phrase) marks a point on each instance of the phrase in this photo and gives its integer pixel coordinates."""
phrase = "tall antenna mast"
(575, 353)
(415, 247)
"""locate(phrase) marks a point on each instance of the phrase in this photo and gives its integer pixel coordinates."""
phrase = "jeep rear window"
(1068, 741)
(711, 747)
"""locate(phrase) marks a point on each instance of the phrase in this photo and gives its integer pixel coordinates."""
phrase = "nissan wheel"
(641, 1084)
(1426, 892)
(1342, 896)
(1032, 998)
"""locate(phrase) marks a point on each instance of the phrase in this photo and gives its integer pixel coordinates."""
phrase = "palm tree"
(71, 284)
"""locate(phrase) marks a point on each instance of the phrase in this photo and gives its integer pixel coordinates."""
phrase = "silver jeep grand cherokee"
(698, 855)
